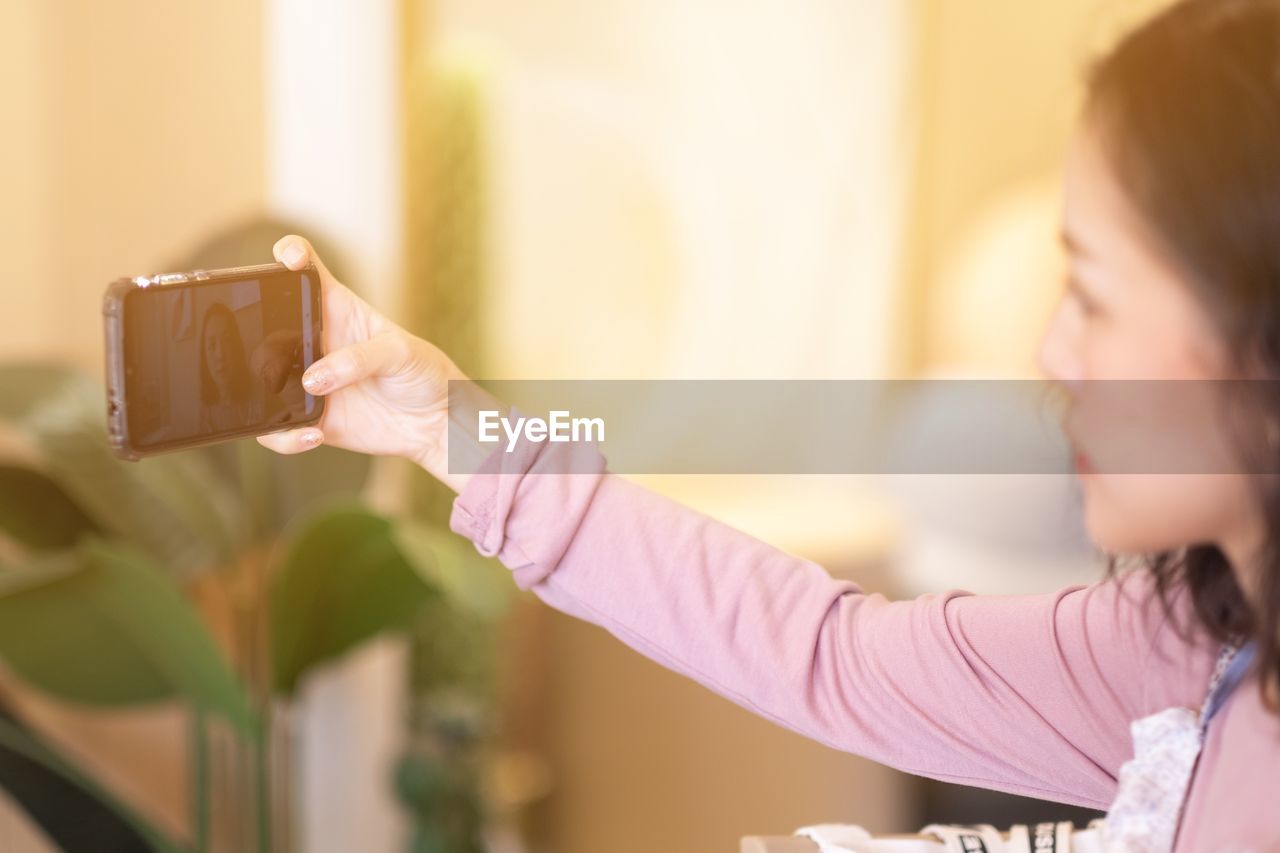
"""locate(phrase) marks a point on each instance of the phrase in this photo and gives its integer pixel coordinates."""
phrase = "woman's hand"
(386, 392)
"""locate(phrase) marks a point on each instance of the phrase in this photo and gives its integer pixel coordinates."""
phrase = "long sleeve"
(1028, 694)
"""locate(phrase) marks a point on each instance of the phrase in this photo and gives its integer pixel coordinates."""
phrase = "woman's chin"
(1153, 513)
(1118, 534)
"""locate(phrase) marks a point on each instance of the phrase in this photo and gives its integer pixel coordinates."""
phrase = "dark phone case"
(113, 322)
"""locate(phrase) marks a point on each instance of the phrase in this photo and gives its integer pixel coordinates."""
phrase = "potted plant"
(216, 579)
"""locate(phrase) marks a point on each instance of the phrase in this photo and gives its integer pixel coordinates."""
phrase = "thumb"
(384, 354)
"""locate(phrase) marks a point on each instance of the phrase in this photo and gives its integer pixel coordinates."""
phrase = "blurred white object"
(847, 838)
(983, 532)
(992, 533)
(333, 151)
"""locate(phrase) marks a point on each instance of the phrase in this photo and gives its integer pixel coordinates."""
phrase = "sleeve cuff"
(525, 506)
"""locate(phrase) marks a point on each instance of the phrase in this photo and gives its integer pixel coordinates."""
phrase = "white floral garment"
(1153, 785)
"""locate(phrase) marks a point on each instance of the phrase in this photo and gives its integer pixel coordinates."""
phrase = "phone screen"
(219, 358)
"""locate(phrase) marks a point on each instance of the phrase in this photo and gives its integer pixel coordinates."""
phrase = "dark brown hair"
(1188, 110)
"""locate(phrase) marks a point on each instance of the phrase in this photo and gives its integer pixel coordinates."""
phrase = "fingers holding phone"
(385, 390)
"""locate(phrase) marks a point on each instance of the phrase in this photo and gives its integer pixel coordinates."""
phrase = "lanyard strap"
(1226, 680)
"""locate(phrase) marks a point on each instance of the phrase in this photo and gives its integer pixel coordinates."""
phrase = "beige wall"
(131, 128)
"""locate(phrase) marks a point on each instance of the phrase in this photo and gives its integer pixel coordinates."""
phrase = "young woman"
(1172, 216)
(226, 388)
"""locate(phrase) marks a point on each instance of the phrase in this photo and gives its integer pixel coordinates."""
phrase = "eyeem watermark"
(870, 427)
(559, 426)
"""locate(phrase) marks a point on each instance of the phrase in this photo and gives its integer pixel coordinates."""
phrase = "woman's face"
(1127, 314)
(217, 345)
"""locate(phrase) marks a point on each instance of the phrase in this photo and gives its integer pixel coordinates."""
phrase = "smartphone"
(196, 358)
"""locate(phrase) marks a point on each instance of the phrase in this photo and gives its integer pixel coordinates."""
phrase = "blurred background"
(557, 189)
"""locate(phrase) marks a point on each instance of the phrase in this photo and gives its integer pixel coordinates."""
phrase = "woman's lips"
(1082, 464)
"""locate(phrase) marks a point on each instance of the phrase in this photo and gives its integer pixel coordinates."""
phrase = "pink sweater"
(1029, 694)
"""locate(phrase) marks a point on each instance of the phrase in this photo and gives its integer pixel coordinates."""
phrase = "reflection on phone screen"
(213, 358)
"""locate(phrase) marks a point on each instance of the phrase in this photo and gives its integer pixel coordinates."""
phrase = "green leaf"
(41, 571)
(323, 476)
(469, 581)
(419, 781)
(283, 488)
(102, 625)
(13, 738)
(27, 386)
(35, 511)
(342, 581)
(173, 506)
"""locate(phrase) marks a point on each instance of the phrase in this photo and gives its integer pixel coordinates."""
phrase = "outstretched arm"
(1029, 694)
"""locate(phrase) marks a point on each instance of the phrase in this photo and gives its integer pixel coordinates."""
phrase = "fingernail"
(312, 437)
(293, 255)
(316, 381)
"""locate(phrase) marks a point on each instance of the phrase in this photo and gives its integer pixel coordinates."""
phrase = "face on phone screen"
(219, 358)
